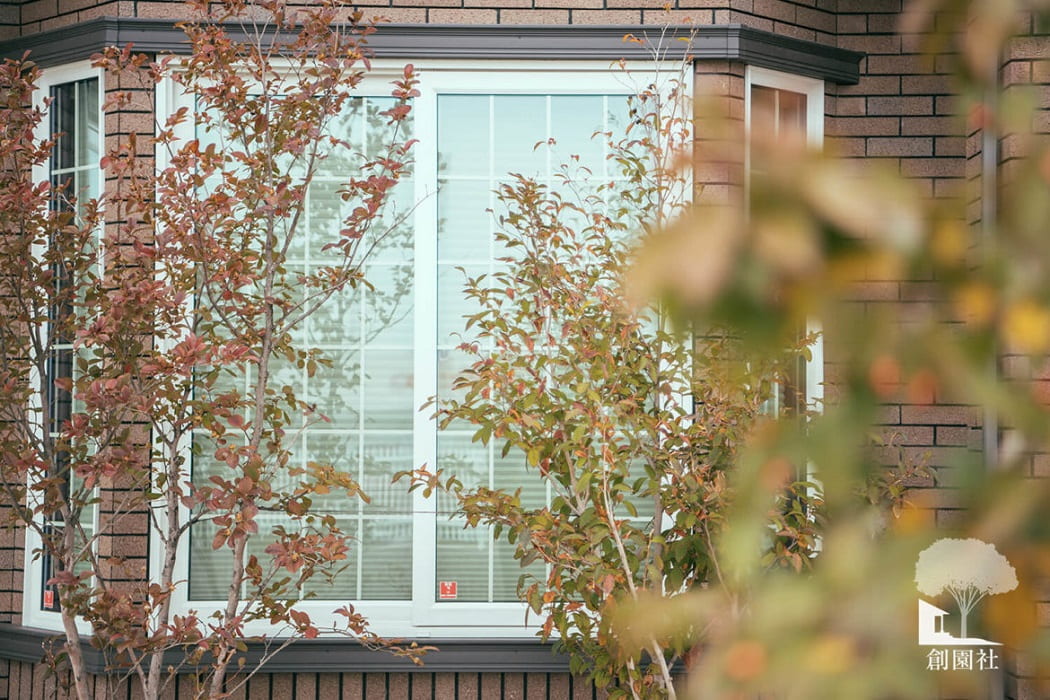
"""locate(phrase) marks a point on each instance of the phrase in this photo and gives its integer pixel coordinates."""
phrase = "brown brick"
(794, 31)
(847, 147)
(900, 105)
(403, 15)
(896, 65)
(774, 9)
(162, 10)
(816, 19)
(936, 415)
(461, 16)
(926, 85)
(711, 4)
(430, 3)
(1029, 47)
(750, 20)
(39, 10)
(673, 17)
(66, 6)
(873, 85)
(570, 4)
(911, 435)
(873, 44)
(1040, 71)
(863, 126)
(936, 126)
(949, 146)
(534, 16)
(883, 24)
(1017, 72)
(939, 498)
(605, 16)
(852, 24)
(850, 107)
(634, 4)
(913, 146)
(497, 3)
(946, 104)
(933, 167)
(951, 519)
(873, 291)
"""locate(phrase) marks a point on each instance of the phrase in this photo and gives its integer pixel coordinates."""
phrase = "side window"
(783, 107)
(74, 175)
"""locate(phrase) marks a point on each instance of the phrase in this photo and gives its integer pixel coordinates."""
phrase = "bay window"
(412, 570)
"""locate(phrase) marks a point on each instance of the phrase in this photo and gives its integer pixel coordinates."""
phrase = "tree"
(178, 304)
(630, 425)
(968, 569)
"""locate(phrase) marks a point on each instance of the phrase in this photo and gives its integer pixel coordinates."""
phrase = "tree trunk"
(76, 659)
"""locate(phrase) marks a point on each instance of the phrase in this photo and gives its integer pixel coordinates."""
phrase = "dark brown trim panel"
(332, 655)
(732, 42)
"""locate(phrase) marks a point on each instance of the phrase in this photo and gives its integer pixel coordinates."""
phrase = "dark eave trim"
(26, 644)
(728, 42)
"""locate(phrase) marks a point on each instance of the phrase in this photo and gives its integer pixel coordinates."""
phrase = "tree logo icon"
(966, 569)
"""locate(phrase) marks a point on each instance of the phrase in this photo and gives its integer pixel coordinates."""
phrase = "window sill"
(335, 655)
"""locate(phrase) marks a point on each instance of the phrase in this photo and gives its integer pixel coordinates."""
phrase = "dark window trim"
(729, 42)
(27, 644)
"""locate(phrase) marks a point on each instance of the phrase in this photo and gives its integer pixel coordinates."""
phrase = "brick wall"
(902, 115)
(32, 681)
(814, 20)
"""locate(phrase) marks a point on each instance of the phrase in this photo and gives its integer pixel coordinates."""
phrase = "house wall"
(33, 681)
(901, 114)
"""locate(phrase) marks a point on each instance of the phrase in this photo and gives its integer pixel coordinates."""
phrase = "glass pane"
(453, 306)
(209, 568)
(386, 557)
(88, 135)
(337, 321)
(763, 109)
(63, 125)
(574, 120)
(520, 123)
(463, 557)
(392, 230)
(341, 451)
(384, 455)
(511, 473)
(325, 211)
(389, 319)
(343, 586)
(468, 460)
(464, 225)
(345, 162)
(792, 113)
(337, 389)
(388, 389)
(506, 571)
(463, 134)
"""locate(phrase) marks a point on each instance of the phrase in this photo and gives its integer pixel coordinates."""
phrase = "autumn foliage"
(173, 295)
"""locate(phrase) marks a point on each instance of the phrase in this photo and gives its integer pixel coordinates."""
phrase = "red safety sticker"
(49, 599)
(447, 590)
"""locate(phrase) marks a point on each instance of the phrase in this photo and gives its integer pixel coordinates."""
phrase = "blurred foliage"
(638, 428)
(847, 628)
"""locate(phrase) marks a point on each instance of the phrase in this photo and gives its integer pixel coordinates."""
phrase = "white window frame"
(423, 616)
(813, 89)
(32, 614)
